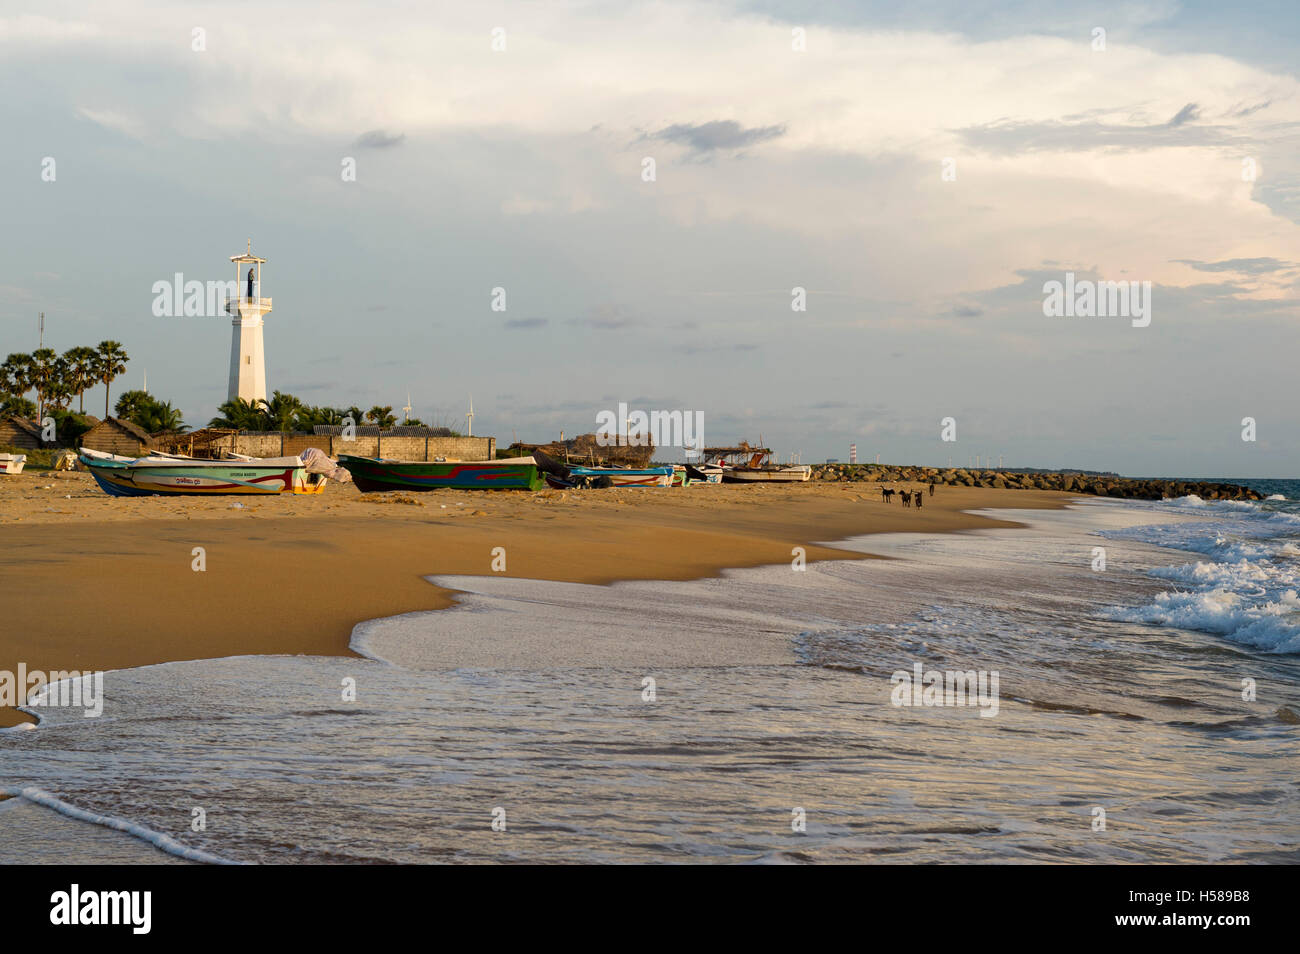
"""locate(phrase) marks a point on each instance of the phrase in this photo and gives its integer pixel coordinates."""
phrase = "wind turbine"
(469, 431)
(407, 408)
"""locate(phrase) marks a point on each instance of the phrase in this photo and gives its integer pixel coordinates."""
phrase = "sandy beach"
(93, 582)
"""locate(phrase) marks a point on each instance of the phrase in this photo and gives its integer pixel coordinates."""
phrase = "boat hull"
(782, 475)
(12, 463)
(372, 474)
(617, 476)
(703, 474)
(196, 480)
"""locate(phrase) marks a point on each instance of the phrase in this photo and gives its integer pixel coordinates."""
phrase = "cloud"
(726, 134)
(1187, 114)
(1011, 137)
(114, 120)
(379, 139)
(606, 317)
(1245, 111)
(1249, 266)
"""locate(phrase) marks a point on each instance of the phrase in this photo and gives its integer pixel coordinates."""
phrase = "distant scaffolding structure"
(587, 449)
(201, 443)
(853, 453)
(743, 453)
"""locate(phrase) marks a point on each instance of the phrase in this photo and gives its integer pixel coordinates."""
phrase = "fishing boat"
(745, 473)
(12, 463)
(703, 474)
(681, 477)
(377, 474)
(613, 477)
(746, 464)
(174, 475)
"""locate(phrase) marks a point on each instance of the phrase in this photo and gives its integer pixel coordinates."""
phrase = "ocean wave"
(1194, 502)
(1245, 591)
(160, 841)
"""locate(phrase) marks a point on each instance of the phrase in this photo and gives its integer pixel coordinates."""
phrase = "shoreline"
(295, 575)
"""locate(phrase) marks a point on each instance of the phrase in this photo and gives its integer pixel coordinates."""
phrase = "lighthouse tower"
(247, 308)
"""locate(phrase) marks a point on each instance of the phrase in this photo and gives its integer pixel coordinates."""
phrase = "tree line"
(58, 378)
(284, 412)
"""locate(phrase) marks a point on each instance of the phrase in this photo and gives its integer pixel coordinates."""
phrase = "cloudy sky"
(1171, 155)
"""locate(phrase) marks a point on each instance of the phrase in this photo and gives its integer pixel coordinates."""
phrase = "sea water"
(1146, 713)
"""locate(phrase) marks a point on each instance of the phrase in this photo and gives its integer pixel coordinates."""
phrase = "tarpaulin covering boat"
(614, 477)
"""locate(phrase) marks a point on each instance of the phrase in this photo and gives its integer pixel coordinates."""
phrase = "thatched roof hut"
(17, 431)
(116, 436)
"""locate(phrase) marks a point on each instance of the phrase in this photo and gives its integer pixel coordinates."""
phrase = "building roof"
(139, 433)
(22, 423)
(247, 258)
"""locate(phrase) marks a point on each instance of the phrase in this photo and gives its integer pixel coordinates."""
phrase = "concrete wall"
(297, 443)
(461, 448)
(403, 448)
(358, 447)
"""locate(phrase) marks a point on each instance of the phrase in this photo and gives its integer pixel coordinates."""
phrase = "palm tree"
(15, 405)
(131, 403)
(81, 372)
(158, 416)
(281, 410)
(309, 417)
(110, 361)
(381, 415)
(45, 370)
(59, 392)
(16, 374)
(240, 415)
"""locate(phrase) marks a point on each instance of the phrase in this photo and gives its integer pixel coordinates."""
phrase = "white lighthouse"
(247, 308)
